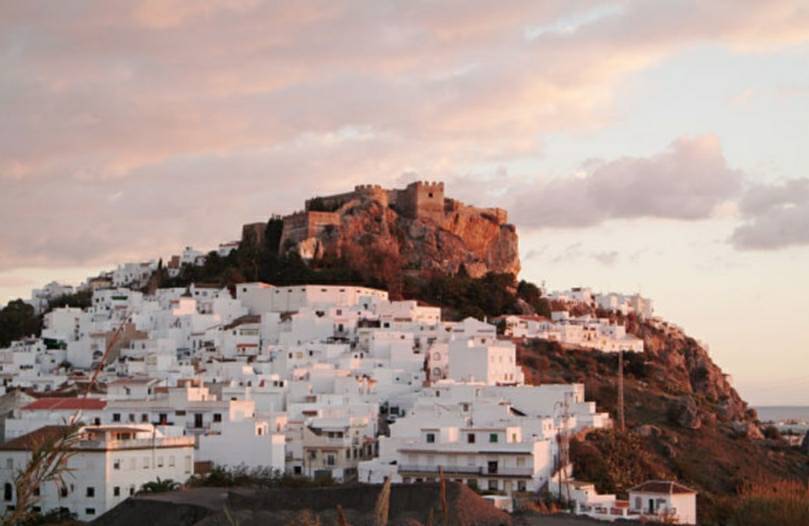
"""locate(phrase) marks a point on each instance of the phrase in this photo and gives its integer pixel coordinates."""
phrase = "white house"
(664, 500)
(252, 443)
(484, 360)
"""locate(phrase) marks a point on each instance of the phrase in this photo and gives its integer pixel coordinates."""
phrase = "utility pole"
(621, 422)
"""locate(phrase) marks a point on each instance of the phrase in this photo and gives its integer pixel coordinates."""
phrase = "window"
(8, 492)
(36, 491)
(145, 462)
(160, 462)
(217, 417)
(116, 491)
(131, 490)
(171, 461)
(330, 460)
(188, 464)
(430, 438)
(89, 511)
(470, 438)
(144, 417)
(116, 464)
(493, 438)
(179, 412)
(521, 485)
(116, 417)
(493, 485)
(63, 491)
(91, 491)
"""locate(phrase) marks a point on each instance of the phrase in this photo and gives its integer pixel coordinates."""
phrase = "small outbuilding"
(664, 501)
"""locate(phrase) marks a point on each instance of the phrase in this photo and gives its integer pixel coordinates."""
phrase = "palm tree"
(159, 486)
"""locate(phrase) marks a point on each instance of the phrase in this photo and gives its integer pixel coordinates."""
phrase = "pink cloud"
(199, 114)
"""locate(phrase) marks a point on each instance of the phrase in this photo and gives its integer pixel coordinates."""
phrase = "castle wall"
(306, 224)
(253, 233)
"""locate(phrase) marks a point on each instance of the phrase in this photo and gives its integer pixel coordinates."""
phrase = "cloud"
(130, 128)
(687, 181)
(775, 216)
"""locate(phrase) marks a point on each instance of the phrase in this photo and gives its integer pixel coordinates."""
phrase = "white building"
(484, 360)
(664, 501)
(108, 464)
(41, 298)
(250, 443)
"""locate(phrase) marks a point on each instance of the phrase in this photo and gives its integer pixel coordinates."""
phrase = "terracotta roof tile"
(30, 440)
(65, 404)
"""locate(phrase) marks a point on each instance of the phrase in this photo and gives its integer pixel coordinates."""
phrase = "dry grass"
(784, 503)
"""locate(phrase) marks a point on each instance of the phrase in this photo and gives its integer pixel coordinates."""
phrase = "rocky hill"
(384, 233)
(684, 420)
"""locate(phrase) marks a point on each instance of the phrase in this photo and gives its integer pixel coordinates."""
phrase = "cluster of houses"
(610, 301)
(333, 382)
(579, 331)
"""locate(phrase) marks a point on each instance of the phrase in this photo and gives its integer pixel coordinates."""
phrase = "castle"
(420, 200)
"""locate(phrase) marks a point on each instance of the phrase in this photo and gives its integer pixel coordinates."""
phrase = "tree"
(18, 320)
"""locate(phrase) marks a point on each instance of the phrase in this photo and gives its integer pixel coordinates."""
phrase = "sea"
(773, 413)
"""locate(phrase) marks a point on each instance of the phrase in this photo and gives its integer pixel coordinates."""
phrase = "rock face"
(415, 230)
(687, 368)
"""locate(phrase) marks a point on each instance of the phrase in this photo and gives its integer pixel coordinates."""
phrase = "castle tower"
(423, 200)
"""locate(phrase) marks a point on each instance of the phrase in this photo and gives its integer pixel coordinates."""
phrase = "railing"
(473, 470)
(137, 443)
(468, 470)
(515, 472)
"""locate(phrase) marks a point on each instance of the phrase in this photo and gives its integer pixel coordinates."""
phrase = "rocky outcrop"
(687, 368)
(384, 233)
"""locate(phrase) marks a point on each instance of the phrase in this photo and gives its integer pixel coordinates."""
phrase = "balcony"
(467, 470)
(137, 443)
(433, 469)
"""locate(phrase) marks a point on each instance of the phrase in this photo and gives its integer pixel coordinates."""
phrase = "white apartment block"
(107, 465)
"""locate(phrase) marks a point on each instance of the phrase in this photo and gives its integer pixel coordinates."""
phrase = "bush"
(263, 477)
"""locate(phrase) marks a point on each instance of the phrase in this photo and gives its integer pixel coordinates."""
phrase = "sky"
(658, 147)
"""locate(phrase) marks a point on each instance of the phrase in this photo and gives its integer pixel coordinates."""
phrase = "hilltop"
(386, 234)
